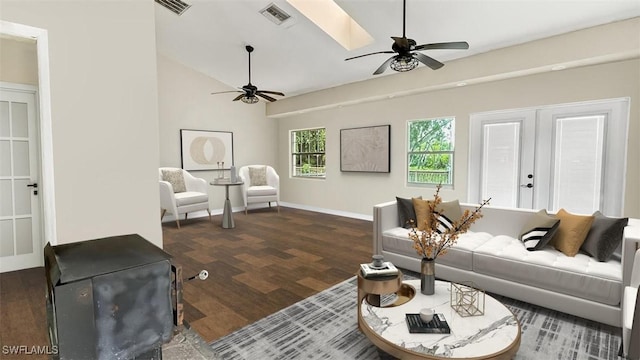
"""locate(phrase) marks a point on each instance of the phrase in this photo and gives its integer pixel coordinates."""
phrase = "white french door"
(570, 156)
(20, 229)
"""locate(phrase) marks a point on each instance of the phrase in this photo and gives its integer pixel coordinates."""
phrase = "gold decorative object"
(467, 299)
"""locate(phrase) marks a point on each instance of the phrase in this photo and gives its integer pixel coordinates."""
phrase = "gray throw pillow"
(406, 212)
(604, 236)
(176, 179)
(258, 176)
(539, 230)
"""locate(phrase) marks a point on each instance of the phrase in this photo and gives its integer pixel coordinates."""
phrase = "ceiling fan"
(407, 57)
(249, 93)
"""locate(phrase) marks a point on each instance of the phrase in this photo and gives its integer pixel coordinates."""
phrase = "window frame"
(451, 153)
(293, 154)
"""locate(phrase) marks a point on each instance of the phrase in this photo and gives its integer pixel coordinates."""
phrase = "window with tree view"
(430, 151)
(308, 153)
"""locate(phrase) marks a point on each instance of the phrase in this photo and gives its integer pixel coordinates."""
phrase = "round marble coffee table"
(494, 335)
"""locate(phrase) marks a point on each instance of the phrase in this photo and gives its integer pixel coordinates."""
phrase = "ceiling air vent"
(275, 14)
(176, 6)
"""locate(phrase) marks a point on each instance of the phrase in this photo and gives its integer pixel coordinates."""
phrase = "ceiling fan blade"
(384, 66)
(238, 97)
(402, 42)
(270, 92)
(373, 53)
(267, 97)
(429, 61)
(458, 45)
(224, 92)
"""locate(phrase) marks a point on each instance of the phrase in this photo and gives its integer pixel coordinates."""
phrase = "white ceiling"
(297, 57)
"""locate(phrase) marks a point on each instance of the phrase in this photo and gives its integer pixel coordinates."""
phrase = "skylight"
(330, 17)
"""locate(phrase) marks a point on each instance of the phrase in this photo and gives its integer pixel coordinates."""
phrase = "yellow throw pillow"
(423, 213)
(572, 232)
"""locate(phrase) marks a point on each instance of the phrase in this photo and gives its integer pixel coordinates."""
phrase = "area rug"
(324, 326)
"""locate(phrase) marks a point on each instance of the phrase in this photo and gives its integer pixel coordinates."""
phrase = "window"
(308, 153)
(430, 151)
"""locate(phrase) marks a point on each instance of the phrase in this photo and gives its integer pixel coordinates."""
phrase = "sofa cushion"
(460, 255)
(175, 178)
(539, 230)
(190, 197)
(406, 212)
(604, 237)
(258, 175)
(572, 232)
(581, 276)
(261, 191)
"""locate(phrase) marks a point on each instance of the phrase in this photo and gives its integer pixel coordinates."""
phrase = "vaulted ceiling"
(297, 57)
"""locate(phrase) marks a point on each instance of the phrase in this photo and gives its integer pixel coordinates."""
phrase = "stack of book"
(436, 326)
(387, 269)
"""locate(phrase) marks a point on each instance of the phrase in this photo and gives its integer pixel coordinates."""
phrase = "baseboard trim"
(203, 213)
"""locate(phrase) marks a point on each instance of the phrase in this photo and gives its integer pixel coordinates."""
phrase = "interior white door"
(20, 227)
(501, 158)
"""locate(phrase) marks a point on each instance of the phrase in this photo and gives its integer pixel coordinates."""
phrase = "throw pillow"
(539, 230)
(449, 213)
(258, 176)
(406, 212)
(176, 179)
(572, 232)
(604, 237)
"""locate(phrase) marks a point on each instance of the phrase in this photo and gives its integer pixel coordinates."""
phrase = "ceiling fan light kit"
(408, 57)
(249, 99)
(402, 63)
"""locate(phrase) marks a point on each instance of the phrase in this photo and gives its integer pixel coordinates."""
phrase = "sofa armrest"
(385, 216)
(630, 243)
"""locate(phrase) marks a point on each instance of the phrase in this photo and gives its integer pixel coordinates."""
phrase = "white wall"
(104, 106)
(186, 103)
(357, 193)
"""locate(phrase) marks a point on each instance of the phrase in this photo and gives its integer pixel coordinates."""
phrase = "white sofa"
(491, 256)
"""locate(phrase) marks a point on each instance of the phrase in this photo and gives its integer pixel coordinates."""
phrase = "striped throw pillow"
(539, 230)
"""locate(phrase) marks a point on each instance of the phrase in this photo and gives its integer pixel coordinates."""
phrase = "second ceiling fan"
(249, 93)
(407, 57)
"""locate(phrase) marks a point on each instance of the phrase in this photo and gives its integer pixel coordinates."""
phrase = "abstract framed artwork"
(366, 149)
(206, 150)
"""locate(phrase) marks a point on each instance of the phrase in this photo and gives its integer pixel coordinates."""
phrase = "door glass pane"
(19, 119)
(6, 198)
(501, 163)
(21, 158)
(577, 175)
(24, 238)
(5, 158)
(6, 238)
(23, 197)
(4, 119)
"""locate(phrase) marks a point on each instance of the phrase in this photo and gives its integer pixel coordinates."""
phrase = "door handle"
(529, 185)
(35, 188)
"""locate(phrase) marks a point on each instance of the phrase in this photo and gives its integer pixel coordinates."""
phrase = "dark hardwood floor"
(268, 262)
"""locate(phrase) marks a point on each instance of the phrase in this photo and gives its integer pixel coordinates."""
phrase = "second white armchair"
(261, 184)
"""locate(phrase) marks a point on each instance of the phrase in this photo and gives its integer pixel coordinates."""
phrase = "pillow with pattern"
(176, 179)
(449, 212)
(539, 230)
(258, 175)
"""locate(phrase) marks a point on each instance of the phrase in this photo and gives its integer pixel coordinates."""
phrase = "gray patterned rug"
(323, 326)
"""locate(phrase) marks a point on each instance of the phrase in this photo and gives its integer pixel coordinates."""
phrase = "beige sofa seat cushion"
(396, 240)
(263, 190)
(581, 275)
(190, 197)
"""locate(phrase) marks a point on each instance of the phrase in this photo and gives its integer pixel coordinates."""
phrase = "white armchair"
(631, 313)
(261, 184)
(182, 193)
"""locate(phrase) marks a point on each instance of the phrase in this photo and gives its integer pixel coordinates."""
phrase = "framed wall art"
(206, 150)
(366, 149)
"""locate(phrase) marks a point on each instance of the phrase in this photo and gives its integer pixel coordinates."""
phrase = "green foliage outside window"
(430, 152)
(308, 153)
